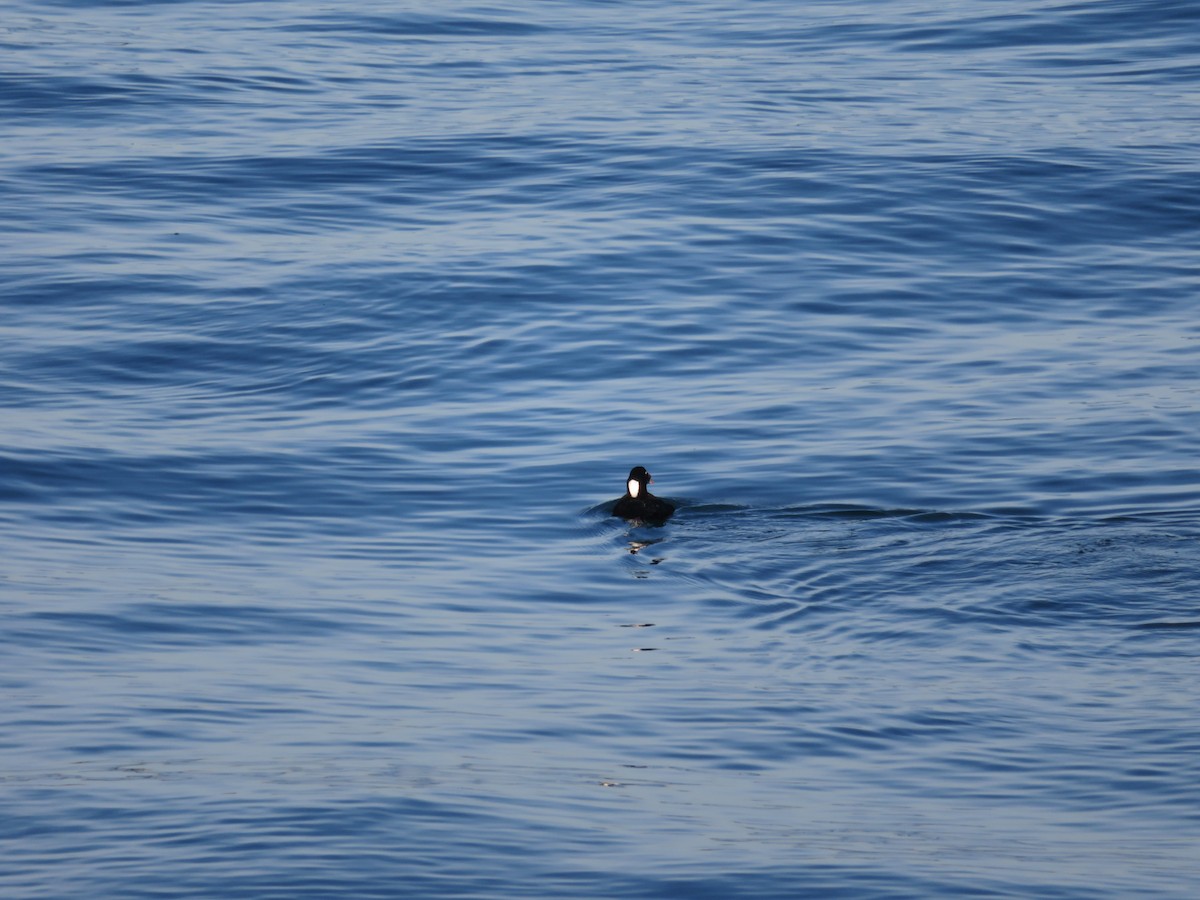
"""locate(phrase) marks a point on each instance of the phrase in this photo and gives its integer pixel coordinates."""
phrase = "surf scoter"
(639, 503)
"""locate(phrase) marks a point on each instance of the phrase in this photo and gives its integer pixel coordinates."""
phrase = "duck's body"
(638, 503)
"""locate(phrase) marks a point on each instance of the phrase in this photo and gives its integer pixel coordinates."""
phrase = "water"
(329, 332)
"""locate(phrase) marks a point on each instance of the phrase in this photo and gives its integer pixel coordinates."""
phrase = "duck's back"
(648, 508)
(628, 507)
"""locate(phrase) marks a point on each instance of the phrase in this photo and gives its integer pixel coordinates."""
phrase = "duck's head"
(637, 481)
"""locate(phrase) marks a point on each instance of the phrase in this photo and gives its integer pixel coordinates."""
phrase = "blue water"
(330, 329)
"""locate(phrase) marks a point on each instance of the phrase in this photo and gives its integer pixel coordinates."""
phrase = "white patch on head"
(634, 487)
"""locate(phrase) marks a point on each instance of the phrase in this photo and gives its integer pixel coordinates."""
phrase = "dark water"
(329, 328)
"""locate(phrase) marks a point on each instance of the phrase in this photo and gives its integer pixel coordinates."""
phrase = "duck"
(638, 503)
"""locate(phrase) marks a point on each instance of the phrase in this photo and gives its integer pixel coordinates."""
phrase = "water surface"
(330, 332)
